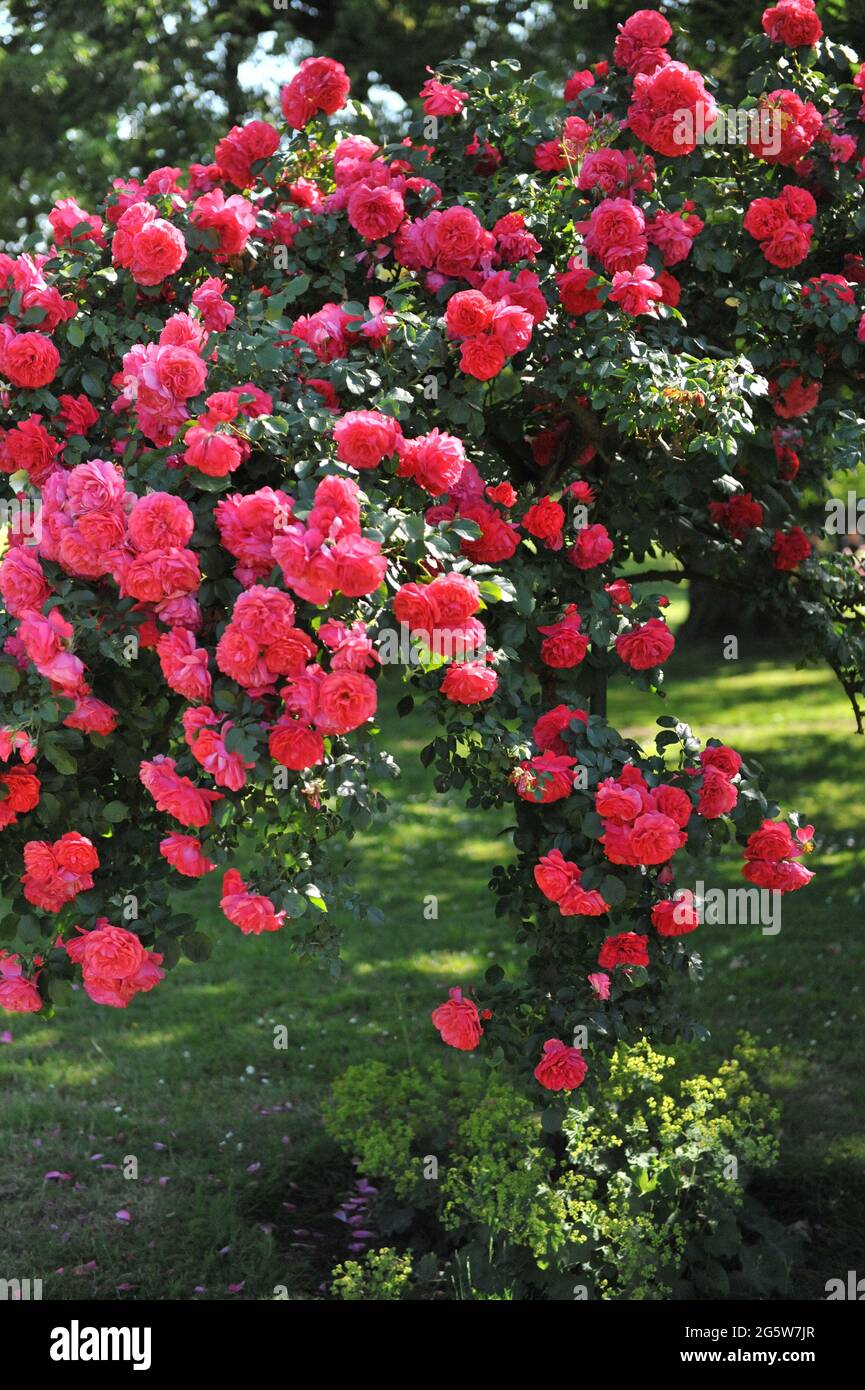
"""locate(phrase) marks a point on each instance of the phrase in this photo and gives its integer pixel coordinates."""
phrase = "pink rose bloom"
(577, 83)
(454, 598)
(842, 149)
(458, 1022)
(92, 716)
(673, 802)
(616, 802)
(789, 245)
(561, 1068)
(577, 902)
(360, 566)
(577, 290)
(469, 313)
(555, 875)
(107, 952)
(604, 169)
(545, 520)
(66, 215)
(19, 995)
(441, 99)
(22, 584)
(460, 241)
(469, 682)
(117, 993)
(209, 750)
(800, 124)
(772, 841)
(660, 101)
(673, 235)
(347, 699)
(216, 455)
(216, 313)
(375, 212)
(184, 853)
(233, 220)
(783, 876)
(184, 665)
(157, 252)
(498, 539)
(655, 838)
(616, 235)
(435, 461)
(764, 217)
(600, 984)
(160, 574)
(636, 290)
(364, 438)
(413, 606)
(722, 757)
(160, 521)
(252, 912)
(512, 327)
(176, 795)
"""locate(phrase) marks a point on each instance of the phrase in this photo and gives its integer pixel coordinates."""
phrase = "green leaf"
(613, 890)
(197, 946)
(59, 758)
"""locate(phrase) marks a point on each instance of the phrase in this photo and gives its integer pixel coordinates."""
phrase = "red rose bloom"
(482, 357)
(458, 1022)
(469, 682)
(646, 646)
(794, 23)
(320, 84)
(628, 948)
(577, 290)
(546, 778)
(29, 360)
(295, 745)
(564, 645)
(545, 520)
(790, 548)
(548, 729)
(591, 548)
(469, 313)
(675, 916)
(561, 1068)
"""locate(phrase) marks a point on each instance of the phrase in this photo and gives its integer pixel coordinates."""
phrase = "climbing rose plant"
(325, 404)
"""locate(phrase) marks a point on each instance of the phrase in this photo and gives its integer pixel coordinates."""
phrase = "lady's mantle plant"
(323, 403)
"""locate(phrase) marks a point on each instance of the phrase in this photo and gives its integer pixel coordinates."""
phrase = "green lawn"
(189, 1083)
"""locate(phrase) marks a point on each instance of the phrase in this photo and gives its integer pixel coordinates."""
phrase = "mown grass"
(189, 1082)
